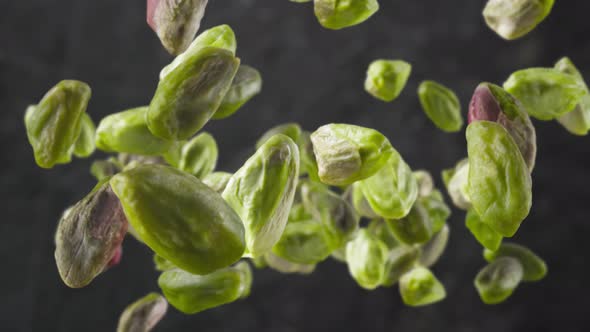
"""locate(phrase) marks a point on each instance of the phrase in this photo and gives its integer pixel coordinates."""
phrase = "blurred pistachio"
(424, 181)
(348, 153)
(162, 264)
(387, 78)
(496, 282)
(457, 184)
(246, 84)
(308, 163)
(441, 105)
(304, 242)
(89, 235)
(382, 230)
(262, 192)
(284, 266)
(433, 249)
(199, 155)
(534, 268)
(483, 233)
(291, 130)
(84, 145)
(335, 14)
(191, 293)
(180, 218)
(259, 262)
(143, 314)
(546, 93)
(399, 261)
(492, 103)
(217, 180)
(366, 256)
(420, 287)
(415, 228)
(391, 191)
(298, 213)
(577, 121)
(189, 95)
(54, 125)
(127, 131)
(102, 169)
(175, 22)
(129, 161)
(437, 209)
(499, 185)
(360, 203)
(512, 19)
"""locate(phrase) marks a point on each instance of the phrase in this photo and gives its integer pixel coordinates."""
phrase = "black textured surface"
(312, 76)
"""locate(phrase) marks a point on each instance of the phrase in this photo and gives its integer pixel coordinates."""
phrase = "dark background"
(313, 76)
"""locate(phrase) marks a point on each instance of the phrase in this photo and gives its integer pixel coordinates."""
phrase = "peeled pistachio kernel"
(546, 93)
(84, 145)
(175, 22)
(291, 130)
(308, 165)
(128, 132)
(284, 266)
(262, 192)
(217, 180)
(162, 264)
(492, 103)
(304, 242)
(499, 182)
(199, 155)
(534, 268)
(437, 209)
(89, 235)
(180, 218)
(441, 105)
(348, 153)
(483, 233)
(457, 185)
(53, 126)
(577, 121)
(424, 181)
(246, 84)
(387, 78)
(433, 249)
(399, 261)
(496, 282)
(143, 314)
(335, 14)
(414, 228)
(420, 287)
(391, 191)
(366, 257)
(512, 19)
(102, 169)
(381, 230)
(191, 293)
(360, 203)
(189, 95)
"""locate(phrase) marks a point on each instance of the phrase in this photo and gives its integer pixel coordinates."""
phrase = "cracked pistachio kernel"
(437, 209)
(415, 228)
(534, 268)
(433, 249)
(496, 282)
(284, 266)
(291, 130)
(308, 165)
(441, 105)
(262, 192)
(399, 261)
(217, 180)
(189, 95)
(89, 236)
(360, 203)
(381, 230)
(425, 182)
(366, 256)
(499, 182)
(420, 287)
(457, 183)
(512, 19)
(246, 84)
(546, 93)
(191, 293)
(387, 78)
(492, 103)
(199, 155)
(338, 14)
(54, 125)
(175, 22)
(391, 191)
(143, 314)
(483, 233)
(84, 146)
(102, 169)
(577, 121)
(127, 132)
(304, 242)
(180, 218)
(348, 153)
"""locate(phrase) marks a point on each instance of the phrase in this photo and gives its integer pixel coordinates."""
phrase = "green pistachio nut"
(262, 192)
(399, 261)
(499, 182)
(284, 266)
(360, 203)
(217, 180)
(180, 218)
(441, 105)
(291, 130)
(143, 314)
(308, 164)
(457, 184)
(420, 287)
(188, 96)
(339, 14)
(425, 182)
(577, 121)
(433, 249)
(102, 169)
(387, 78)
(304, 242)
(437, 209)
(199, 155)
(382, 230)
(546, 93)
(54, 125)
(534, 268)
(246, 84)
(89, 236)
(483, 233)
(498, 280)
(84, 146)
(415, 228)
(366, 257)
(191, 293)
(512, 19)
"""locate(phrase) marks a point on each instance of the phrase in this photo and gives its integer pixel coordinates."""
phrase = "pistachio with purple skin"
(492, 103)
